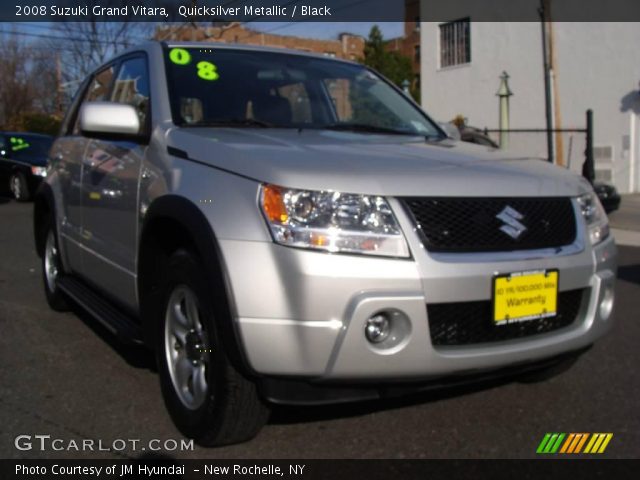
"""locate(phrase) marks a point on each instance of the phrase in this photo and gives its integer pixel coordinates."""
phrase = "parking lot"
(63, 375)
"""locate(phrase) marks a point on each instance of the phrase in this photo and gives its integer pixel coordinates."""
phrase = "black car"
(608, 195)
(23, 162)
(477, 136)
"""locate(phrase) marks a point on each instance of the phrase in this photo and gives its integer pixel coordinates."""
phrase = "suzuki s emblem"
(511, 218)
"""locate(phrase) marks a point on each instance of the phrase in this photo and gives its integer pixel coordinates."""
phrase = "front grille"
(471, 224)
(467, 323)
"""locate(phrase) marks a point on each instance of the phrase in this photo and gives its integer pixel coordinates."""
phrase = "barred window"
(455, 43)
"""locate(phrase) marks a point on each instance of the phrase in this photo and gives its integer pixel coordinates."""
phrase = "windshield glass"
(27, 147)
(241, 88)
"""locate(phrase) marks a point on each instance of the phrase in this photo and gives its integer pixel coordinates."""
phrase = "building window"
(416, 53)
(330, 54)
(455, 43)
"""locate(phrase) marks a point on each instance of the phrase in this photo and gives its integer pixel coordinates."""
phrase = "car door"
(110, 182)
(66, 159)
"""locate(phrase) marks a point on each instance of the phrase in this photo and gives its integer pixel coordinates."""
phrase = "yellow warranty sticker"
(522, 296)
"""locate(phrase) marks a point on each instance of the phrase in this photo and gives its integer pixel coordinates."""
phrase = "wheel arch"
(173, 222)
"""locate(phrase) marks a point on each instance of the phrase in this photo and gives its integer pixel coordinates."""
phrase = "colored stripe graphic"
(574, 443)
(598, 442)
(581, 442)
(550, 443)
(543, 443)
(567, 443)
(556, 446)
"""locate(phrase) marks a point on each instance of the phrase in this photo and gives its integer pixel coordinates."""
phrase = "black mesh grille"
(471, 224)
(466, 323)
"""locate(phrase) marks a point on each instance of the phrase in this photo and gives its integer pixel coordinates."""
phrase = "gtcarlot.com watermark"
(47, 443)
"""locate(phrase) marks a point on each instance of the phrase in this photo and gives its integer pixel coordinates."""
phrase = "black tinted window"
(211, 86)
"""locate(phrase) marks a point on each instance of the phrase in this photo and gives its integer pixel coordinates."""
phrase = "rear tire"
(52, 268)
(19, 187)
(207, 398)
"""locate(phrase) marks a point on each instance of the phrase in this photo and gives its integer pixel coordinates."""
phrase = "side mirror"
(109, 119)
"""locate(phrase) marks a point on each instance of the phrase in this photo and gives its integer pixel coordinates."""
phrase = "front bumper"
(302, 313)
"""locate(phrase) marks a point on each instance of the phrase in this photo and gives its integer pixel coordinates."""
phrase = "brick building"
(409, 44)
(347, 46)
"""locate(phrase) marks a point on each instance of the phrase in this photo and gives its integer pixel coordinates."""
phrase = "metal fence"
(572, 147)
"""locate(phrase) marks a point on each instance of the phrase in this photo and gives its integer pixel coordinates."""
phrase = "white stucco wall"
(598, 67)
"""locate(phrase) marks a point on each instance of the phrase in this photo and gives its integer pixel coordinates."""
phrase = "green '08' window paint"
(207, 71)
(18, 144)
(179, 56)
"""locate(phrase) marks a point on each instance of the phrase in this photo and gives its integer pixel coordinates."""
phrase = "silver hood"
(391, 165)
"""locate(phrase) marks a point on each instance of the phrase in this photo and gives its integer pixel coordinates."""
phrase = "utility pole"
(504, 92)
(544, 12)
(557, 119)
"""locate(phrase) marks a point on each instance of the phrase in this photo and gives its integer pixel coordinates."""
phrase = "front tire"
(52, 268)
(19, 187)
(207, 398)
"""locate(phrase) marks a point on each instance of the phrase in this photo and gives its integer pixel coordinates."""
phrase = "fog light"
(377, 328)
(606, 304)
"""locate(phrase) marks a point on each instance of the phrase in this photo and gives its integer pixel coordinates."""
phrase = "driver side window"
(97, 91)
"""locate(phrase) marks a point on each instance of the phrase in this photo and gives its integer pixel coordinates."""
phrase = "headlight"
(39, 171)
(594, 216)
(332, 221)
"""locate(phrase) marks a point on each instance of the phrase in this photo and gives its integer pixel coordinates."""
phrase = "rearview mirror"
(107, 118)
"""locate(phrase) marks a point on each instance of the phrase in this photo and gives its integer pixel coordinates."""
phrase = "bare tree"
(16, 92)
(85, 45)
(45, 82)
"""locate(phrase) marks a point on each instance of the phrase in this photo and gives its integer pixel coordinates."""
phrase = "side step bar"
(113, 319)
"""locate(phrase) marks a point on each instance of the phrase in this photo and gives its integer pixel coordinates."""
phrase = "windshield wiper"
(231, 122)
(364, 127)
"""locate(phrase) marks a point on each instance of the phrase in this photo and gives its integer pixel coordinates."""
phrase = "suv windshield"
(243, 88)
(28, 148)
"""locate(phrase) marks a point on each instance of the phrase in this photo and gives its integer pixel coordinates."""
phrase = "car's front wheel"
(52, 268)
(208, 399)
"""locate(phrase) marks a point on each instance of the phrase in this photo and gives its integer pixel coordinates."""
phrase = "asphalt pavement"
(64, 376)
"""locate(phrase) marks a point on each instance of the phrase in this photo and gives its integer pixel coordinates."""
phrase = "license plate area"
(525, 296)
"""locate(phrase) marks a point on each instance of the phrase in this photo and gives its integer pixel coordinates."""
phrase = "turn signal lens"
(273, 205)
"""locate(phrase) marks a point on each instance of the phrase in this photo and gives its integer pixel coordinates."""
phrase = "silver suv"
(287, 228)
